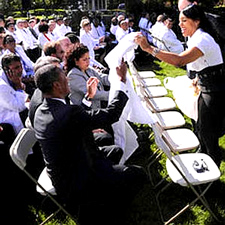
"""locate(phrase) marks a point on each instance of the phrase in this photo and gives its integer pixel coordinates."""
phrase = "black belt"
(211, 78)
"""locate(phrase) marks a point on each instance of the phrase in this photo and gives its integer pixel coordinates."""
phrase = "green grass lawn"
(143, 210)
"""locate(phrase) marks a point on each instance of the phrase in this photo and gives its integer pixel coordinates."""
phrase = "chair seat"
(156, 91)
(198, 168)
(45, 181)
(151, 82)
(162, 104)
(180, 139)
(170, 119)
(146, 74)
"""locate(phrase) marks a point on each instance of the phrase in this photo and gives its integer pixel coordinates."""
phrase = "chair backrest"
(157, 129)
(22, 146)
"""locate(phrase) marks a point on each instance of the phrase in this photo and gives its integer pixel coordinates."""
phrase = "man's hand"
(122, 71)
(16, 79)
(92, 84)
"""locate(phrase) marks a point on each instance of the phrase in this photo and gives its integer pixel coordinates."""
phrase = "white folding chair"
(167, 119)
(186, 169)
(148, 82)
(170, 119)
(146, 74)
(178, 139)
(155, 91)
(19, 151)
(160, 104)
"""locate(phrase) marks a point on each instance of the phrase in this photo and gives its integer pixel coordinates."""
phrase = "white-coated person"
(204, 62)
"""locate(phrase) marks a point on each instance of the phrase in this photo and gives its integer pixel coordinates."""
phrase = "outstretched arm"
(180, 60)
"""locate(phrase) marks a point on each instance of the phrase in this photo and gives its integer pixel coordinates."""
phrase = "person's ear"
(197, 22)
(56, 86)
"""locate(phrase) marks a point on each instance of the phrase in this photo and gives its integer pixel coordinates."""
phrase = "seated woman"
(43, 36)
(78, 72)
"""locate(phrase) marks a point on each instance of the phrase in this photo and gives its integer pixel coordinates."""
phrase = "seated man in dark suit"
(105, 142)
(80, 172)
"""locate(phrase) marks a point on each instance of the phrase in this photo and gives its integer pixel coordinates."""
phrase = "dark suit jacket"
(71, 155)
(35, 102)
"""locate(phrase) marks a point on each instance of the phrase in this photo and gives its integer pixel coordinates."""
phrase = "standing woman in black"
(204, 62)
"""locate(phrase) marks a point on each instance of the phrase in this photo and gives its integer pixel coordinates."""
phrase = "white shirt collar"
(61, 100)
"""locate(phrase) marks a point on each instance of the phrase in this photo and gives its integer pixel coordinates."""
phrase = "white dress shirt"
(207, 45)
(12, 103)
(62, 30)
(96, 32)
(24, 35)
(42, 39)
(169, 41)
(156, 31)
(53, 36)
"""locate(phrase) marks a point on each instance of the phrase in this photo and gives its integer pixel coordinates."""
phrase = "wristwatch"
(155, 51)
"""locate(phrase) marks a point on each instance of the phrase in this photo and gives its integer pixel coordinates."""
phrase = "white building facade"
(94, 5)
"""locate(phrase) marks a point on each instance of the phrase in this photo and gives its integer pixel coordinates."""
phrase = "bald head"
(182, 4)
(65, 43)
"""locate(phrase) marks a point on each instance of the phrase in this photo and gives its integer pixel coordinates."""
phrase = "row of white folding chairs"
(171, 138)
(164, 108)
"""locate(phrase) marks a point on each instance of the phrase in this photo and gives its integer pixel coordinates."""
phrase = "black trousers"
(33, 54)
(7, 135)
(211, 114)
(114, 197)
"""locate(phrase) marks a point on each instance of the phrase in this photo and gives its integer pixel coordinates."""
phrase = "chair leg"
(152, 159)
(50, 196)
(201, 197)
(50, 217)
(158, 201)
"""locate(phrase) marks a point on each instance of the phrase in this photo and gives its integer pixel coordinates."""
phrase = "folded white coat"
(124, 135)
(185, 95)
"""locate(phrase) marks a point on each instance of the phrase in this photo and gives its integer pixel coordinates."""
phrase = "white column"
(93, 5)
(98, 2)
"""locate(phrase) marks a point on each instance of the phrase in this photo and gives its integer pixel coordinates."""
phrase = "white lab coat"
(12, 103)
(26, 60)
(89, 41)
(28, 40)
(124, 136)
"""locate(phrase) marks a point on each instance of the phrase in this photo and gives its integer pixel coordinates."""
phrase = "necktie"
(34, 33)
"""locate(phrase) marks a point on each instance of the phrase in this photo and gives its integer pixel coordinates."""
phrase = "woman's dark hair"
(75, 55)
(43, 28)
(195, 12)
